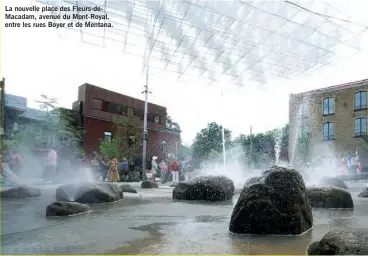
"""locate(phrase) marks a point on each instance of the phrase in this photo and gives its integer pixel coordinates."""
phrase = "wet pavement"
(151, 223)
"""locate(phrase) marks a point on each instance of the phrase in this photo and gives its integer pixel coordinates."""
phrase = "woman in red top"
(175, 171)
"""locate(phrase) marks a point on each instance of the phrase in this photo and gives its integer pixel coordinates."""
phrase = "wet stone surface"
(341, 242)
(330, 198)
(150, 222)
(66, 209)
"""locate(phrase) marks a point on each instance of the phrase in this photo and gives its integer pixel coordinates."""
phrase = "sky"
(37, 61)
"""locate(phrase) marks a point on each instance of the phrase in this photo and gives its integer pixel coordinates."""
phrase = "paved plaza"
(150, 222)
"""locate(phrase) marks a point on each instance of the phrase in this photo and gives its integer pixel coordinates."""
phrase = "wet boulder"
(341, 242)
(89, 193)
(332, 197)
(274, 203)
(148, 184)
(21, 192)
(364, 193)
(66, 208)
(332, 182)
(205, 188)
(128, 189)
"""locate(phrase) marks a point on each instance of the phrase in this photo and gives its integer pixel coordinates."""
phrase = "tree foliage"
(303, 147)
(259, 149)
(57, 124)
(208, 142)
(126, 140)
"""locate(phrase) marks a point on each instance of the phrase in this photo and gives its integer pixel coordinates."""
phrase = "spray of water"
(235, 168)
(277, 146)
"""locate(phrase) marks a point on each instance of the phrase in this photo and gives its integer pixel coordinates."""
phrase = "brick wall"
(343, 119)
(95, 129)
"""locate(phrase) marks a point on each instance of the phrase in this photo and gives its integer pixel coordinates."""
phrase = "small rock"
(205, 188)
(148, 184)
(364, 193)
(341, 242)
(66, 208)
(332, 182)
(274, 203)
(128, 189)
(21, 192)
(330, 198)
(89, 193)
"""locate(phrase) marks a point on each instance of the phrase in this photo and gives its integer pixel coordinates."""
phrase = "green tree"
(260, 148)
(58, 123)
(303, 147)
(209, 142)
(284, 154)
(185, 151)
(126, 140)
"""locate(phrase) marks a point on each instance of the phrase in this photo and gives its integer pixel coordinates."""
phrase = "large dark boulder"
(148, 184)
(205, 188)
(330, 198)
(364, 193)
(274, 203)
(21, 192)
(89, 193)
(128, 189)
(66, 208)
(341, 242)
(332, 182)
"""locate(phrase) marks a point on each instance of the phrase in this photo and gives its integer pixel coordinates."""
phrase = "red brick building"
(98, 108)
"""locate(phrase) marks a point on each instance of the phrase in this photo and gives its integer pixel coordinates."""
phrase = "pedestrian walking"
(154, 168)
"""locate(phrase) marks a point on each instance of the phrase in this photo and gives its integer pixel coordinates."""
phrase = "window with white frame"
(328, 131)
(107, 136)
(164, 147)
(360, 100)
(360, 127)
(328, 106)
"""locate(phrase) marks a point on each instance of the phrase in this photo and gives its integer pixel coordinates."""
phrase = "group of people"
(171, 166)
(109, 169)
(16, 163)
(103, 168)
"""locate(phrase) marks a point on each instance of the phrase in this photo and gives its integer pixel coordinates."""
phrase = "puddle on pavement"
(208, 234)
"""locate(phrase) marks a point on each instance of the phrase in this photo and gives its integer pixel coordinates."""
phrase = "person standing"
(16, 162)
(95, 165)
(104, 168)
(154, 168)
(175, 171)
(113, 175)
(124, 167)
(51, 164)
(163, 167)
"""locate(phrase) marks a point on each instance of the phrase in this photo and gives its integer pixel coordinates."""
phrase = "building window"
(328, 106)
(303, 131)
(139, 113)
(360, 127)
(116, 109)
(360, 100)
(107, 136)
(328, 131)
(97, 104)
(130, 112)
(164, 147)
(304, 111)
